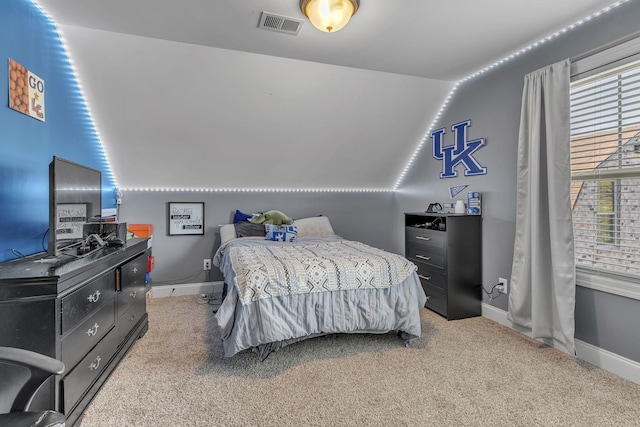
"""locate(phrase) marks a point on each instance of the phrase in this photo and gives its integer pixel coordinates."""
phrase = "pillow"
(227, 232)
(314, 226)
(246, 229)
(241, 217)
(281, 233)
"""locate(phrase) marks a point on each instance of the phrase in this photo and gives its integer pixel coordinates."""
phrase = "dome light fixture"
(329, 15)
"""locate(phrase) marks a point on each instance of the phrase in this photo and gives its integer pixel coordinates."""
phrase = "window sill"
(610, 285)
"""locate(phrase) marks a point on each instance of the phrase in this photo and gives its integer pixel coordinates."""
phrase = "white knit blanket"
(272, 270)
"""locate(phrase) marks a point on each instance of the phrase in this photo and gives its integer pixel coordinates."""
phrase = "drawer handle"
(133, 294)
(94, 297)
(427, 258)
(95, 364)
(92, 331)
(424, 277)
(423, 238)
(132, 318)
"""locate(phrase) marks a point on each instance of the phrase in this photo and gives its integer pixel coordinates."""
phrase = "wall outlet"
(504, 285)
(207, 264)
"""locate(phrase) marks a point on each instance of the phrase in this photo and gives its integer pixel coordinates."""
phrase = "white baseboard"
(616, 364)
(603, 359)
(161, 291)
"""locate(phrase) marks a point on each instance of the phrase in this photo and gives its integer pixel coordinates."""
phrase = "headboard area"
(313, 226)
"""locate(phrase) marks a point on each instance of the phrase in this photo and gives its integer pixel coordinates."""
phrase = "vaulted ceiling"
(192, 94)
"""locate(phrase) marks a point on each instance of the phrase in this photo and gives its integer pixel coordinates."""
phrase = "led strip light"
(488, 68)
(407, 167)
(262, 190)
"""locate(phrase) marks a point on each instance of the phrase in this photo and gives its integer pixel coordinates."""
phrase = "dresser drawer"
(429, 255)
(434, 276)
(130, 295)
(436, 299)
(134, 271)
(425, 237)
(130, 318)
(75, 345)
(76, 383)
(79, 304)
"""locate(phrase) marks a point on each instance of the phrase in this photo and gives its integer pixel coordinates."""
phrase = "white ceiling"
(192, 94)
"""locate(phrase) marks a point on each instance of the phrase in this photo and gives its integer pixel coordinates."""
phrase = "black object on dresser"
(447, 248)
(85, 311)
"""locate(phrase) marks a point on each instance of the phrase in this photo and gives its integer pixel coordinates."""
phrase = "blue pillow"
(241, 217)
(281, 233)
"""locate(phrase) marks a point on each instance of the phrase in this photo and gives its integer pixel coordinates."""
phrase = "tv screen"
(75, 197)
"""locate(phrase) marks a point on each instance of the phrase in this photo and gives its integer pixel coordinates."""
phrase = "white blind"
(605, 166)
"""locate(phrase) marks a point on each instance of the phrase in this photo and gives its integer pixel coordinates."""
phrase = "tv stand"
(85, 311)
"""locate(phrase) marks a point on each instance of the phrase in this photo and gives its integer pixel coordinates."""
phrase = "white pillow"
(227, 232)
(314, 226)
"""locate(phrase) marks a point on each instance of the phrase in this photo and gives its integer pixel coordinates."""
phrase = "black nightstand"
(447, 248)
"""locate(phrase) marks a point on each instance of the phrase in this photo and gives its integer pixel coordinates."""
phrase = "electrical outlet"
(504, 285)
(207, 264)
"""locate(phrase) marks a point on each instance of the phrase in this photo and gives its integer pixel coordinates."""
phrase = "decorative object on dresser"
(85, 311)
(447, 249)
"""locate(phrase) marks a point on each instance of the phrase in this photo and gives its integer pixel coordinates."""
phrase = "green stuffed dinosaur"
(271, 217)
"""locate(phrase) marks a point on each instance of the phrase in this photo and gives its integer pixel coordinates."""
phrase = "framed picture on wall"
(185, 218)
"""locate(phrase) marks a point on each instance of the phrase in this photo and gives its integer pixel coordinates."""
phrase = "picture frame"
(70, 219)
(185, 218)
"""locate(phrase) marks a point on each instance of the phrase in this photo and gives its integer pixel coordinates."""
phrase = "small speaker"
(115, 230)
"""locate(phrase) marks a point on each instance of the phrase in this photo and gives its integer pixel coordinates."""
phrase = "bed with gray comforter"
(283, 292)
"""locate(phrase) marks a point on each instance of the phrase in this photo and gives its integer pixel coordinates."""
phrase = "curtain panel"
(543, 276)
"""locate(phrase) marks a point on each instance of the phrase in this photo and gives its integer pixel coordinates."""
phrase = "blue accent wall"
(27, 145)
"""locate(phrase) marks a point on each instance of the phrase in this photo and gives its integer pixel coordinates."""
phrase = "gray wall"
(365, 217)
(492, 102)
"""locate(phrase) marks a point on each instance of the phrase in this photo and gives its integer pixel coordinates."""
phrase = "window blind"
(605, 170)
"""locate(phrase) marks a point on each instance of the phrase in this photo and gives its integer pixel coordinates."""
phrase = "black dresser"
(447, 248)
(86, 312)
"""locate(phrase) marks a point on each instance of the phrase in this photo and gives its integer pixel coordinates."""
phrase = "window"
(605, 170)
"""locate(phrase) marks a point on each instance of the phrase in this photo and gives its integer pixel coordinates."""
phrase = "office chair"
(22, 372)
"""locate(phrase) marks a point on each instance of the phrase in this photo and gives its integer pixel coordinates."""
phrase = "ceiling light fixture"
(329, 15)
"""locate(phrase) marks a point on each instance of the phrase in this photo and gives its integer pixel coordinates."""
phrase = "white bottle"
(459, 207)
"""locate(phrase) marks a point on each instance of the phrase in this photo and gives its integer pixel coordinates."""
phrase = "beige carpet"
(470, 372)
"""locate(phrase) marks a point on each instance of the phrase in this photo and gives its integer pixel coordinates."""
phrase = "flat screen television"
(75, 198)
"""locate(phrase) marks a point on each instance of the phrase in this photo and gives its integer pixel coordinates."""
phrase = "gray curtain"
(543, 278)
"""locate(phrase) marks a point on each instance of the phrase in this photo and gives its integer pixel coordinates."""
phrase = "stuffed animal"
(271, 217)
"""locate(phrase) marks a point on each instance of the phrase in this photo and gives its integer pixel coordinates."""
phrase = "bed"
(281, 292)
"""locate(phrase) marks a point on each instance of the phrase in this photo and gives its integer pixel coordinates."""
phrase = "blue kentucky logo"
(461, 152)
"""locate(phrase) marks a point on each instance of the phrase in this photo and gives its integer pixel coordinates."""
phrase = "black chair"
(22, 372)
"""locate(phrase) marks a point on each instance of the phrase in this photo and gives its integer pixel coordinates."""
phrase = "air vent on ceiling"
(279, 23)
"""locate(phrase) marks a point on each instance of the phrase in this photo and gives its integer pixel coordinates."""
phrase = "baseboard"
(161, 291)
(603, 359)
(616, 364)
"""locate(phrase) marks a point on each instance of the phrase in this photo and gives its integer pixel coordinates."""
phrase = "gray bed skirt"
(270, 324)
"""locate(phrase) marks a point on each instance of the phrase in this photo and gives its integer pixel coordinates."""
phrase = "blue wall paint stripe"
(27, 145)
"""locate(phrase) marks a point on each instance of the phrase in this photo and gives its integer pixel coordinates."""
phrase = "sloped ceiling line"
(183, 141)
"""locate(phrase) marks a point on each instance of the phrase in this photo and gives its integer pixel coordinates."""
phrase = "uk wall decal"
(461, 152)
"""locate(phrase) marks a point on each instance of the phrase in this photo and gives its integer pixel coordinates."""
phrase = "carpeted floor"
(471, 372)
